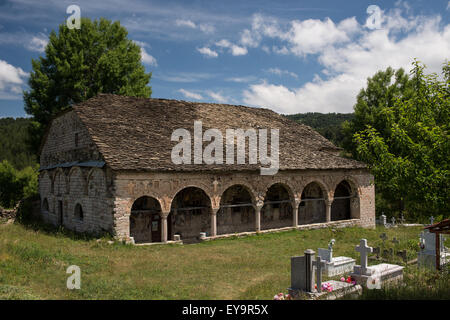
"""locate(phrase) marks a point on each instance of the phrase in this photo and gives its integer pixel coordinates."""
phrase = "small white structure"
(374, 277)
(426, 257)
(335, 266)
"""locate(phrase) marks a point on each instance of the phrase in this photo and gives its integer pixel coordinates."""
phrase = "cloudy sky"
(289, 56)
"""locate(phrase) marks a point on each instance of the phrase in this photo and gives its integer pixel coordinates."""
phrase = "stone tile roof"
(135, 133)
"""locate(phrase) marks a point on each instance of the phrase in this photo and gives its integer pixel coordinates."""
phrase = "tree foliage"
(407, 146)
(16, 185)
(382, 91)
(79, 64)
(13, 137)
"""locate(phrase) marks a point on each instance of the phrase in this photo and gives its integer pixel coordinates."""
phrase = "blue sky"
(289, 56)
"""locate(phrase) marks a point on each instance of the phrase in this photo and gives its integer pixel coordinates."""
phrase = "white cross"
(364, 250)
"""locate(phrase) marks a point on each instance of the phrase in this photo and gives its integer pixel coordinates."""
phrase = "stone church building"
(105, 166)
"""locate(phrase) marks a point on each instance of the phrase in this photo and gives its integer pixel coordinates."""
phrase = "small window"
(76, 140)
(78, 212)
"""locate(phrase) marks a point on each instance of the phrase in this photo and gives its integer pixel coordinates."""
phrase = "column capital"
(215, 210)
(164, 214)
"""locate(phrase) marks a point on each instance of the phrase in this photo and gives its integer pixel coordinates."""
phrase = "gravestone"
(335, 265)
(426, 257)
(395, 241)
(302, 272)
(302, 280)
(377, 251)
(431, 220)
(382, 220)
(383, 237)
(403, 255)
(377, 275)
(393, 221)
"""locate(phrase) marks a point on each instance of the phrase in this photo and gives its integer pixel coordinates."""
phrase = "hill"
(328, 125)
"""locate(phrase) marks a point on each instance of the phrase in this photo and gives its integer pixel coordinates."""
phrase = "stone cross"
(393, 221)
(319, 264)
(395, 241)
(330, 244)
(383, 237)
(364, 251)
(402, 219)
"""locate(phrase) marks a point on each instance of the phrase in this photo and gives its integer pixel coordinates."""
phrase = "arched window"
(79, 212)
(45, 205)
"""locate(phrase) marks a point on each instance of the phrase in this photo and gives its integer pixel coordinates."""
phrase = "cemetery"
(257, 266)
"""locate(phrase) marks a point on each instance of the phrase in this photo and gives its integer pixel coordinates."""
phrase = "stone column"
(214, 221)
(258, 217)
(328, 209)
(295, 205)
(164, 229)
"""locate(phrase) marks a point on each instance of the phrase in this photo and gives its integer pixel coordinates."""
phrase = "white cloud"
(280, 72)
(241, 79)
(186, 77)
(235, 50)
(147, 58)
(190, 94)
(204, 27)
(349, 61)
(217, 97)
(37, 43)
(11, 80)
(185, 23)
(208, 52)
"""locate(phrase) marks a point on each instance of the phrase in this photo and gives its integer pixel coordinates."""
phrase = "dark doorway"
(312, 207)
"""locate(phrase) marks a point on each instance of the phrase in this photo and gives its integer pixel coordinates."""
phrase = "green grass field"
(33, 264)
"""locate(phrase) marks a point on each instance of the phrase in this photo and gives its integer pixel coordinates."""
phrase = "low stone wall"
(334, 224)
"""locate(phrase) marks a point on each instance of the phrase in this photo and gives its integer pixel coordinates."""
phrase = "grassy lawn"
(33, 264)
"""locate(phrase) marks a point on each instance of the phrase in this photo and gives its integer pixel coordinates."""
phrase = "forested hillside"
(328, 125)
(13, 134)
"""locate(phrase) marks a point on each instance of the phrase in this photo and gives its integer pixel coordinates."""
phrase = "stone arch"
(77, 182)
(277, 210)
(345, 203)
(96, 183)
(323, 186)
(237, 211)
(312, 207)
(190, 214)
(60, 186)
(45, 183)
(145, 219)
(251, 190)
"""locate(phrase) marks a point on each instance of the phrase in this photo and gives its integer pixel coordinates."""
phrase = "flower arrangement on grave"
(327, 287)
(282, 296)
(348, 280)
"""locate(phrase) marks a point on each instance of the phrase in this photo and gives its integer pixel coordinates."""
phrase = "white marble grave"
(335, 265)
(376, 276)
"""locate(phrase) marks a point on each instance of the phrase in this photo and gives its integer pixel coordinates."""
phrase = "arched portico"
(277, 211)
(190, 214)
(237, 210)
(145, 220)
(345, 202)
(313, 208)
